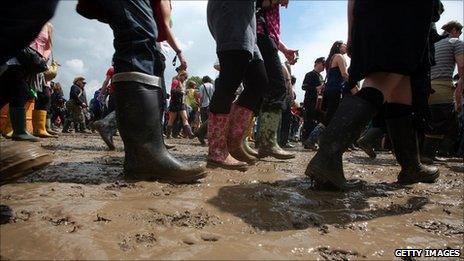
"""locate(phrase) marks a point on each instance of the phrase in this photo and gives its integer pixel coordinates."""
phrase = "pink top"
(41, 44)
(273, 21)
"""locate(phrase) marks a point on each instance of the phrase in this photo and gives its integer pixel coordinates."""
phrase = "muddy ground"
(80, 207)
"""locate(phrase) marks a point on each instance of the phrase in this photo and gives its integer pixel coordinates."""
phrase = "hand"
(458, 107)
(291, 56)
(354, 90)
(183, 61)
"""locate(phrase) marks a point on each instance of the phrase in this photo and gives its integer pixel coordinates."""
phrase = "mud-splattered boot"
(18, 122)
(406, 147)
(107, 127)
(201, 132)
(218, 153)
(268, 146)
(139, 124)
(20, 159)
(246, 144)
(188, 131)
(369, 140)
(429, 150)
(239, 120)
(313, 138)
(326, 167)
(168, 131)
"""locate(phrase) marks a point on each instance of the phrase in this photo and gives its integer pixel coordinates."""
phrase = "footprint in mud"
(120, 185)
(441, 228)
(186, 218)
(129, 243)
(338, 254)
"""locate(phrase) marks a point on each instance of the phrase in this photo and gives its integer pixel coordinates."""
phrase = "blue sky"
(84, 47)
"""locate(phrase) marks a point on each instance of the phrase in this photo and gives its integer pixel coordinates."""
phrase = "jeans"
(276, 90)
(135, 34)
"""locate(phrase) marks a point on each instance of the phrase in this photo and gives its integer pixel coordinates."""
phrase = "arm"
(171, 38)
(350, 24)
(48, 45)
(459, 88)
(105, 83)
(290, 54)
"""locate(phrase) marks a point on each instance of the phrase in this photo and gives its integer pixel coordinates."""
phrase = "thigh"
(396, 88)
(233, 67)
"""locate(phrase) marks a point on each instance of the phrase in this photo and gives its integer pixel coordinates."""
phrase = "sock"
(397, 110)
(373, 96)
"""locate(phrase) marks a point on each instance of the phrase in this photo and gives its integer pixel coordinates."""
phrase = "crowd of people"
(397, 95)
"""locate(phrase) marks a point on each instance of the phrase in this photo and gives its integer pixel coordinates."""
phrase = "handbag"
(52, 70)
(32, 61)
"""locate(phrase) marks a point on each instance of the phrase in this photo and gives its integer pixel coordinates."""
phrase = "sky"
(85, 47)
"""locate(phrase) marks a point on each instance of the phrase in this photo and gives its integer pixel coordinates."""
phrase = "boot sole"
(320, 179)
(216, 165)
(277, 156)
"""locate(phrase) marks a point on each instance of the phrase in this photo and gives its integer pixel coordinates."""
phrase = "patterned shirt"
(273, 23)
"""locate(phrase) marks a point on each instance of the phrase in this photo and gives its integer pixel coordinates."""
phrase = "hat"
(78, 78)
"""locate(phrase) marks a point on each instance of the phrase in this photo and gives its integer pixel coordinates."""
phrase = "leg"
(274, 102)
(137, 95)
(403, 136)
(185, 124)
(233, 68)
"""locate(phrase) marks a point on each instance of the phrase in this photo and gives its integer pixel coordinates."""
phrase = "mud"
(81, 207)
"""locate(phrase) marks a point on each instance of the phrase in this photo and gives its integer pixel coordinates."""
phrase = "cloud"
(76, 66)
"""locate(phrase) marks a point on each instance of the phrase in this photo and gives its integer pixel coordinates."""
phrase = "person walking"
(395, 49)
(313, 84)
(445, 101)
(240, 61)
(269, 43)
(206, 90)
(138, 83)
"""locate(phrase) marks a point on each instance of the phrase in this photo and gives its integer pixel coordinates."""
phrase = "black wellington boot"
(370, 140)
(201, 133)
(107, 127)
(404, 140)
(429, 150)
(138, 117)
(326, 167)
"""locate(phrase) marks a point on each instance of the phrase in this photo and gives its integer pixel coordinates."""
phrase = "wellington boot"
(406, 147)
(429, 150)
(18, 122)
(39, 119)
(239, 121)
(139, 125)
(107, 127)
(48, 127)
(168, 132)
(66, 125)
(246, 144)
(268, 146)
(218, 153)
(326, 167)
(188, 131)
(370, 140)
(202, 132)
(19, 159)
(313, 137)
